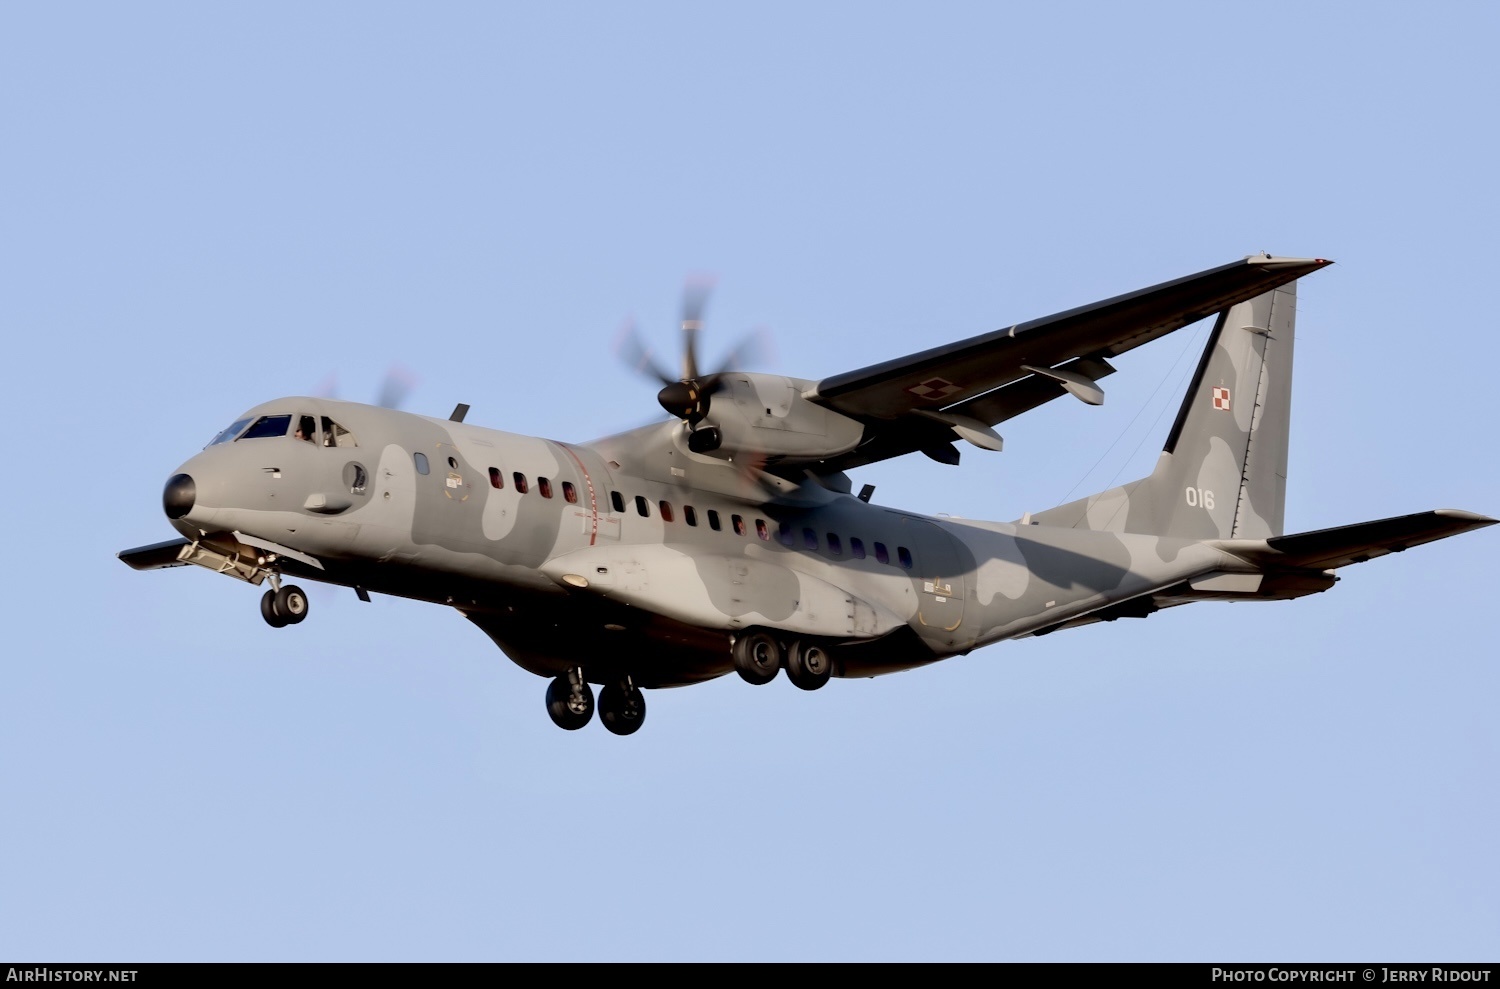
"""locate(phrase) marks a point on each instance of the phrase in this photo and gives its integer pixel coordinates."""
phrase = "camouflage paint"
(561, 585)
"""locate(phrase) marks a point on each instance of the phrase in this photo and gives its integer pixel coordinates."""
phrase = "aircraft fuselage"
(499, 524)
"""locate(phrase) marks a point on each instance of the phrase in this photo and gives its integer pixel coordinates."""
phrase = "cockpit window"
(307, 429)
(230, 433)
(336, 435)
(268, 426)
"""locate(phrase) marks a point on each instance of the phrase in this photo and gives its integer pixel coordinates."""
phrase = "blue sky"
(210, 206)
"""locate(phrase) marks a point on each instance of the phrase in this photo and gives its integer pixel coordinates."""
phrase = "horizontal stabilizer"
(156, 556)
(1329, 549)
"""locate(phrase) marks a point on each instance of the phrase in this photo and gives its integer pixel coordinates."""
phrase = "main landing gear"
(622, 707)
(570, 704)
(758, 656)
(570, 701)
(283, 604)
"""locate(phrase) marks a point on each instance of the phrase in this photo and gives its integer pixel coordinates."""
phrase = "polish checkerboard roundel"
(1221, 398)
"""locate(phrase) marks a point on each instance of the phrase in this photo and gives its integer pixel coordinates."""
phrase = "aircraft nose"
(178, 496)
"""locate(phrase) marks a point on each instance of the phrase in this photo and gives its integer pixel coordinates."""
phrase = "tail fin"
(1222, 474)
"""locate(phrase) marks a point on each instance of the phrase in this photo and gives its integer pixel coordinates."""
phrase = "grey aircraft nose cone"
(178, 496)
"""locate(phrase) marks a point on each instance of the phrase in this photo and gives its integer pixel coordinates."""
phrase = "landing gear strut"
(570, 701)
(622, 707)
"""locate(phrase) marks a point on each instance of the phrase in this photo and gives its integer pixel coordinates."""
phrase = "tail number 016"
(1200, 496)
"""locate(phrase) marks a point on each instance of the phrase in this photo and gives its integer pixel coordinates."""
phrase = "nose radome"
(178, 496)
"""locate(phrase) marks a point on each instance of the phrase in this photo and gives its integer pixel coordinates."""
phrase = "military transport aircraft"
(728, 537)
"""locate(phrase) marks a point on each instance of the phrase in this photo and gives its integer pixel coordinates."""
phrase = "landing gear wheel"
(808, 665)
(291, 604)
(570, 708)
(757, 657)
(268, 610)
(622, 708)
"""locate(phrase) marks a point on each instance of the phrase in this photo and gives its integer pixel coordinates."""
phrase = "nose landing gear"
(284, 604)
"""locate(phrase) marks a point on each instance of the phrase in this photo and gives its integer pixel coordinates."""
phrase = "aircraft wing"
(915, 402)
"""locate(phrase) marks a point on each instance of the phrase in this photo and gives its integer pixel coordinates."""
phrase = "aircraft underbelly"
(720, 592)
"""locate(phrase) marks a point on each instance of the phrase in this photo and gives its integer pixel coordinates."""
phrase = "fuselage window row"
(786, 534)
(543, 484)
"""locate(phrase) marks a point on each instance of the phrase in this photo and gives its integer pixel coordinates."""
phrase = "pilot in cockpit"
(307, 429)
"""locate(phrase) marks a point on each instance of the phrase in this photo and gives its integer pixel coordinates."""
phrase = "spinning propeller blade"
(394, 389)
(398, 384)
(688, 397)
(632, 350)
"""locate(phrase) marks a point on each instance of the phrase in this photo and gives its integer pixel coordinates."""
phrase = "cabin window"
(497, 479)
(642, 506)
(834, 545)
(570, 493)
(268, 426)
(856, 547)
(809, 539)
(618, 500)
(904, 555)
(761, 530)
(882, 555)
(336, 435)
(230, 433)
(784, 533)
(420, 459)
(739, 524)
(520, 481)
(713, 520)
(666, 511)
(307, 429)
(544, 485)
(688, 515)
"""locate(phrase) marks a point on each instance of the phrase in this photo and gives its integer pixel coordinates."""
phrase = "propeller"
(689, 396)
(394, 389)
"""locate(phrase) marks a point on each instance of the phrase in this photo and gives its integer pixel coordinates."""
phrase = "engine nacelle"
(766, 414)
